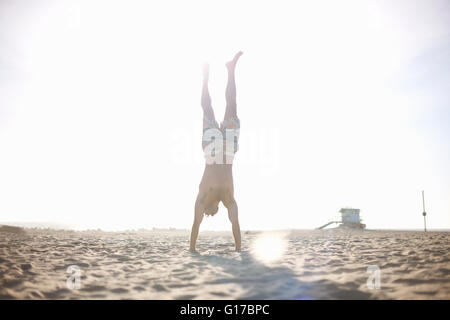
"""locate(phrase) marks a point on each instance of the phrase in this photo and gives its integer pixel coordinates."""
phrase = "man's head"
(212, 209)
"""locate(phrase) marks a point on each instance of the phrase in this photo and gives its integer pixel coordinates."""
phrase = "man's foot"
(232, 64)
(205, 72)
(193, 251)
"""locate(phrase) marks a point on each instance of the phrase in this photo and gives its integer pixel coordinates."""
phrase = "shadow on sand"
(257, 280)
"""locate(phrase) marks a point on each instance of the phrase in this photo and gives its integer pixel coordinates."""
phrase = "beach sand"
(319, 264)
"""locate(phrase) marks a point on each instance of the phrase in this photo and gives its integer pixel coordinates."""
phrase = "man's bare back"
(216, 186)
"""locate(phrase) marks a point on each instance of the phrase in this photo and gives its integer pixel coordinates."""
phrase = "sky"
(342, 104)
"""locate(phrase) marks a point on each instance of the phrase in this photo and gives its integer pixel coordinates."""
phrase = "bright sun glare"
(269, 247)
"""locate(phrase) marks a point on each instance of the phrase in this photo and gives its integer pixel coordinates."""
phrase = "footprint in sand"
(159, 288)
(119, 290)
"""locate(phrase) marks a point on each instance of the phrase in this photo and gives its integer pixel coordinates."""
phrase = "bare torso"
(216, 186)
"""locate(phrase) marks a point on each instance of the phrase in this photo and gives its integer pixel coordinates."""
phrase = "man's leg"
(208, 112)
(233, 216)
(198, 217)
(230, 92)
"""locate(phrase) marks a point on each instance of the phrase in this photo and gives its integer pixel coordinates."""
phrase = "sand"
(325, 264)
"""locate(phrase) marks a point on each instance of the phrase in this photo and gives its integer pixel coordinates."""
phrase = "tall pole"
(424, 213)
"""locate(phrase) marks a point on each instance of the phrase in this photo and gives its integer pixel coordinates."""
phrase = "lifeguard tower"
(350, 218)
